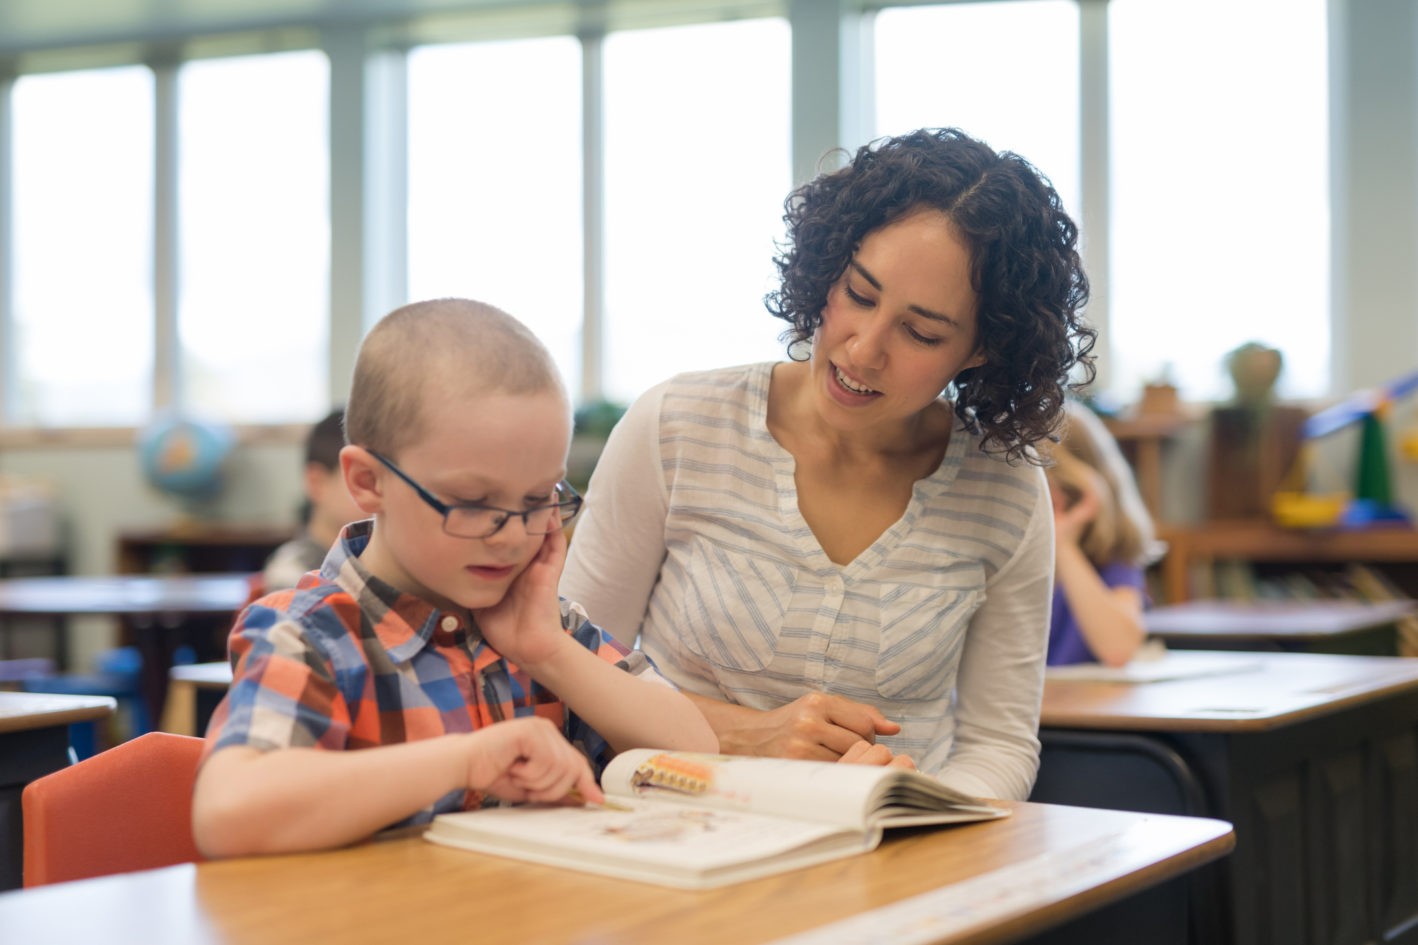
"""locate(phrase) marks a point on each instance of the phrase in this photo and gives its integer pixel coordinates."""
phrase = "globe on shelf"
(185, 458)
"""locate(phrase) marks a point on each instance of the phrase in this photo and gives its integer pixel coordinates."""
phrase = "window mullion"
(593, 215)
(167, 382)
(8, 369)
(1094, 166)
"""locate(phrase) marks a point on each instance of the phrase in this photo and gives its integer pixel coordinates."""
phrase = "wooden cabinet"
(199, 549)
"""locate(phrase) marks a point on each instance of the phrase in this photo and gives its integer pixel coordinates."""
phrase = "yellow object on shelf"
(1306, 510)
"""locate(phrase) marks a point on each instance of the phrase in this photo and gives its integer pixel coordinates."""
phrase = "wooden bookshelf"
(1142, 437)
(1258, 542)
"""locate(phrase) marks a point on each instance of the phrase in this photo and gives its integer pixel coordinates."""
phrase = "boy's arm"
(248, 801)
(626, 710)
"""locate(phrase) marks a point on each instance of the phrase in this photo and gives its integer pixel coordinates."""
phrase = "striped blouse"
(692, 540)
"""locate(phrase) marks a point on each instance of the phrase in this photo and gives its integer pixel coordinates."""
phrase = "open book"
(698, 821)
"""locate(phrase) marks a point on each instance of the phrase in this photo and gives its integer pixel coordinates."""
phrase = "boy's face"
(504, 450)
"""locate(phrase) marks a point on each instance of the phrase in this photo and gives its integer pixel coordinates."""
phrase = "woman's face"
(898, 325)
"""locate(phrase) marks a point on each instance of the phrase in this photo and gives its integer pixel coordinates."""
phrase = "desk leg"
(151, 638)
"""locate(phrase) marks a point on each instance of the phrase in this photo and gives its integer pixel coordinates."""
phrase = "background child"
(1103, 540)
(432, 639)
(327, 509)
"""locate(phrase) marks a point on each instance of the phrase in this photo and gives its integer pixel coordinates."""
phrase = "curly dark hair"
(1025, 269)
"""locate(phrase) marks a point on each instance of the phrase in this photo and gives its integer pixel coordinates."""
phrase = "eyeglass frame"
(576, 501)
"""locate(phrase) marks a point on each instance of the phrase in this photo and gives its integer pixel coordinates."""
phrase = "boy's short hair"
(325, 440)
(443, 347)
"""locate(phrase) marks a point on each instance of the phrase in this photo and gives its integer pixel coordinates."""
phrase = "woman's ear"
(363, 478)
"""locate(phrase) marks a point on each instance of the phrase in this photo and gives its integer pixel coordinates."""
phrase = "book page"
(849, 795)
(827, 793)
(1174, 664)
(652, 840)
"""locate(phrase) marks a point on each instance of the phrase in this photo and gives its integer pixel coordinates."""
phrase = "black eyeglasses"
(483, 521)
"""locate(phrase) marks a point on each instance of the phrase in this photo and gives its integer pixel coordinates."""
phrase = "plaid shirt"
(345, 661)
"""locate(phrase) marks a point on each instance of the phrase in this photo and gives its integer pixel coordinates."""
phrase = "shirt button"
(449, 622)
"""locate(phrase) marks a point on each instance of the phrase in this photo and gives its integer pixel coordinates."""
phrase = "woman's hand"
(815, 726)
(865, 753)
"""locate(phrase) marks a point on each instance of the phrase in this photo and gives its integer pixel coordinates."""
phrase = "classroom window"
(697, 165)
(1220, 183)
(1005, 72)
(82, 324)
(254, 237)
(494, 183)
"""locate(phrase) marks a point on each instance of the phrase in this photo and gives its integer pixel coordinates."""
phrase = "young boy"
(432, 639)
(328, 507)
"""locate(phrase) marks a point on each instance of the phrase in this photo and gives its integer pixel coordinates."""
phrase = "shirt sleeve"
(283, 694)
(618, 544)
(1001, 679)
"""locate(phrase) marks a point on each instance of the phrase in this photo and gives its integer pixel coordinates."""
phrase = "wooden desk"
(1314, 626)
(1313, 757)
(152, 607)
(34, 740)
(983, 883)
(192, 693)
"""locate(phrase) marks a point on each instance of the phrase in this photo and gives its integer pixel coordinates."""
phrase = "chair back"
(127, 808)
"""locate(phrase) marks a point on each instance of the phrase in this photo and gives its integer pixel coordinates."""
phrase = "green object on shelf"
(1372, 478)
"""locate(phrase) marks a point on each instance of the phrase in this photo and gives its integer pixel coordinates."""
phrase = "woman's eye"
(923, 339)
(855, 296)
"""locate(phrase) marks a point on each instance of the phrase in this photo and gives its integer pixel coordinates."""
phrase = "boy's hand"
(525, 626)
(528, 759)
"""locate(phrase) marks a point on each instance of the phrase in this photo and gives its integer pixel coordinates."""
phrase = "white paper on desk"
(1172, 664)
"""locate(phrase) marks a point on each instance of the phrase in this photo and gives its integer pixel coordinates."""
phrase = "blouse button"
(449, 622)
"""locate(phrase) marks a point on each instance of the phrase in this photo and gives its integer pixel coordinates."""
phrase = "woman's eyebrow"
(923, 312)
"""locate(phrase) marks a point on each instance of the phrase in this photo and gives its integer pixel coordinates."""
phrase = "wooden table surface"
(1264, 691)
(974, 884)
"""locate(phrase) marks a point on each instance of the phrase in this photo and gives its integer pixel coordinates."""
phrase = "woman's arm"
(619, 541)
(1001, 678)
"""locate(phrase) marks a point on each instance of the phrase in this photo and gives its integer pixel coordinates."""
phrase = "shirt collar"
(403, 623)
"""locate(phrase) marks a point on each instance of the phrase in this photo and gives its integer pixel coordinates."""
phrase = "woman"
(848, 555)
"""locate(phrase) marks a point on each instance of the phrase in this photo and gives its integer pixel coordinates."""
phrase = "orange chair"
(127, 808)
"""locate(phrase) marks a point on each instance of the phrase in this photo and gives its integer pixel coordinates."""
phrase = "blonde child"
(1103, 541)
(430, 662)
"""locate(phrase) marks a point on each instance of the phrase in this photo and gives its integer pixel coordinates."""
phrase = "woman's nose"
(868, 346)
